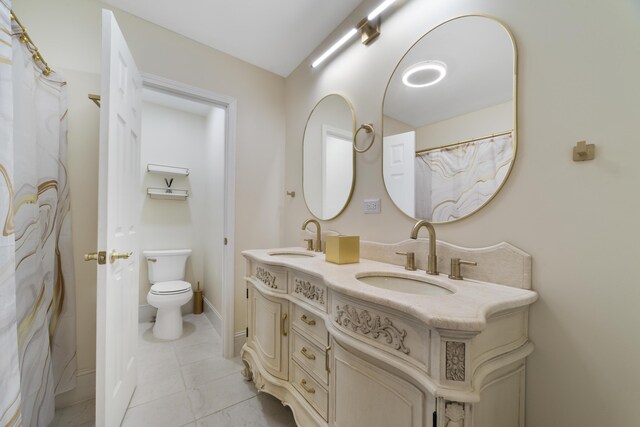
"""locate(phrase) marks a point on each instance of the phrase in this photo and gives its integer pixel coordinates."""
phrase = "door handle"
(101, 257)
(283, 323)
(119, 255)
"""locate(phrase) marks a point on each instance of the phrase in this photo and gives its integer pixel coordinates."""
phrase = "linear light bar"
(370, 31)
(335, 47)
(378, 10)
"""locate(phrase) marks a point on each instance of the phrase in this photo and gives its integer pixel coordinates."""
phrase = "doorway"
(202, 137)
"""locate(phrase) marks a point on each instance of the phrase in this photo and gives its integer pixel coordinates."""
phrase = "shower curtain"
(37, 318)
(454, 181)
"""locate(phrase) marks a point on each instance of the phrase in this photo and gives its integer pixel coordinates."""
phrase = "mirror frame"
(353, 155)
(515, 111)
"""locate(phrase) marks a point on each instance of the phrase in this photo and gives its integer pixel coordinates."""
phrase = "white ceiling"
(479, 56)
(273, 34)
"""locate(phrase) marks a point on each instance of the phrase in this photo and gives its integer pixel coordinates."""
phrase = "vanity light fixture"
(378, 10)
(335, 47)
(434, 71)
(369, 27)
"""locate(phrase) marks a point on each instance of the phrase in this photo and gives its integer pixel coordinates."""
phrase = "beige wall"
(487, 121)
(578, 79)
(68, 33)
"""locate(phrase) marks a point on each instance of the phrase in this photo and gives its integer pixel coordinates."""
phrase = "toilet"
(168, 291)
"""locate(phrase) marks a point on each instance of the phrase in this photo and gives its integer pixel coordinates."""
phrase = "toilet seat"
(173, 287)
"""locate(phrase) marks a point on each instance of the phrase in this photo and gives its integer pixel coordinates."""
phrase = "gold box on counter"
(343, 249)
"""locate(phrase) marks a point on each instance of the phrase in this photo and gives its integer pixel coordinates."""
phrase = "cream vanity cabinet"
(267, 331)
(345, 354)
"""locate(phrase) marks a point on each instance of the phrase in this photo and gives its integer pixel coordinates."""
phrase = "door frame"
(229, 104)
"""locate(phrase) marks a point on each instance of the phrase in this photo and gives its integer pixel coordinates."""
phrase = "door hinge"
(246, 332)
(226, 241)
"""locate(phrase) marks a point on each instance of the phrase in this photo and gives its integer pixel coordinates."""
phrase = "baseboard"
(85, 389)
(238, 341)
(146, 313)
(213, 315)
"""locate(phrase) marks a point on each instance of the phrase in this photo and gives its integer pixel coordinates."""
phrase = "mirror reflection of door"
(328, 157)
(336, 168)
(399, 169)
(454, 90)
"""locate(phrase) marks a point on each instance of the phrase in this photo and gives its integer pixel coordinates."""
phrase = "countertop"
(466, 309)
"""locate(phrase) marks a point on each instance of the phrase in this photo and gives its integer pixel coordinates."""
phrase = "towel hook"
(368, 127)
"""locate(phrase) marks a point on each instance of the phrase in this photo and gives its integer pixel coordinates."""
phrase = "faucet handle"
(309, 244)
(455, 267)
(411, 260)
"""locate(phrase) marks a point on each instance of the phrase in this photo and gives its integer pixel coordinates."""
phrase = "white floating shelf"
(167, 194)
(167, 170)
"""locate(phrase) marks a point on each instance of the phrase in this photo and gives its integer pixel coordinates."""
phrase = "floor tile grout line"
(239, 372)
(225, 408)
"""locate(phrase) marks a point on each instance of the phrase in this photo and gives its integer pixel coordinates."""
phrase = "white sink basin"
(403, 284)
(292, 254)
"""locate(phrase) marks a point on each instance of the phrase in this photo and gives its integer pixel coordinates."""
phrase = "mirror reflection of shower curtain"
(454, 181)
(37, 322)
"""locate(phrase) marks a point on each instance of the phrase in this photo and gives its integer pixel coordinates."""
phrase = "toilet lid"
(170, 288)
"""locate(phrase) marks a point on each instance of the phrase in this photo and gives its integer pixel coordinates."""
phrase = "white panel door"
(399, 169)
(118, 213)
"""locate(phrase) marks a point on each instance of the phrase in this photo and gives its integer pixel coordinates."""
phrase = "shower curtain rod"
(466, 141)
(24, 38)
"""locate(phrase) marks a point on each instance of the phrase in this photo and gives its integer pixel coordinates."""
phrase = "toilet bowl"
(168, 290)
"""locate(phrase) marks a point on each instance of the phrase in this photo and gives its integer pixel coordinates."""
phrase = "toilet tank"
(166, 265)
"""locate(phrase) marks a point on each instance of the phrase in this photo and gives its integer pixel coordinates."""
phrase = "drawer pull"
(284, 324)
(308, 321)
(306, 388)
(326, 359)
(306, 354)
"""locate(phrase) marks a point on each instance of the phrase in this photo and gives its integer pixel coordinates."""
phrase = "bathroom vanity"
(371, 344)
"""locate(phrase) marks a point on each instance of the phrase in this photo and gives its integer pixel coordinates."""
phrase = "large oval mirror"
(449, 130)
(328, 157)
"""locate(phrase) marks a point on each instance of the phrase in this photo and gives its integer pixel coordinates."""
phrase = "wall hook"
(292, 194)
(583, 151)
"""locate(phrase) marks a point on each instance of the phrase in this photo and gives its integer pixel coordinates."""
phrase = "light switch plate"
(371, 206)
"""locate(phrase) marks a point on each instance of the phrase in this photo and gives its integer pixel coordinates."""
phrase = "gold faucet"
(432, 265)
(318, 233)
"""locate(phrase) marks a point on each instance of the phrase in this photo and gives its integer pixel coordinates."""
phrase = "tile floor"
(188, 383)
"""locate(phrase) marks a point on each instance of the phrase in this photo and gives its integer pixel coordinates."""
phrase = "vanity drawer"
(312, 357)
(387, 330)
(273, 277)
(308, 289)
(310, 324)
(311, 390)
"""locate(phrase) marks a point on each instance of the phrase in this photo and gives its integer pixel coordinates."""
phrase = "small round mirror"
(328, 160)
(449, 130)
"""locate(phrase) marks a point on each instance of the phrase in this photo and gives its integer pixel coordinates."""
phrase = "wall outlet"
(371, 206)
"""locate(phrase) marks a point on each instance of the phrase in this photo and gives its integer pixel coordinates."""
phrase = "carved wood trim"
(455, 360)
(454, 414)
(308, 290)
(376, 327)
(266, 277)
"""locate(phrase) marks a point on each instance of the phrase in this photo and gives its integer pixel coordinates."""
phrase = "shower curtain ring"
(368, 127)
